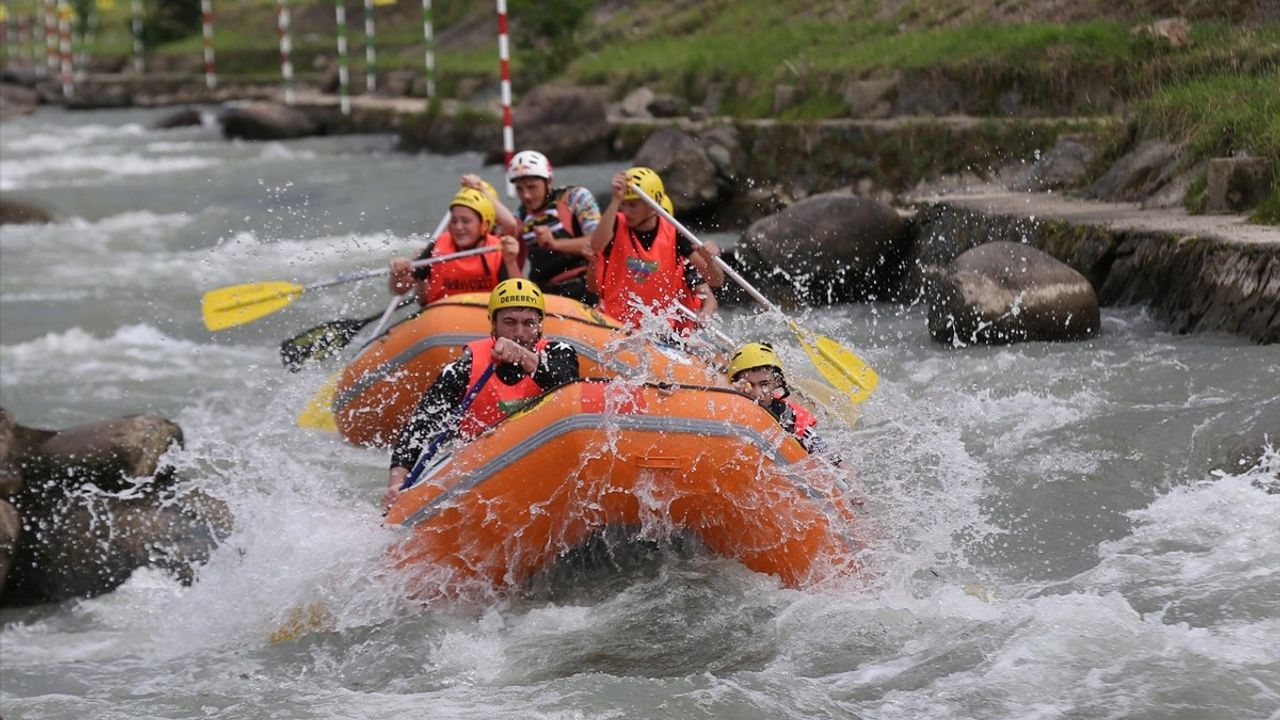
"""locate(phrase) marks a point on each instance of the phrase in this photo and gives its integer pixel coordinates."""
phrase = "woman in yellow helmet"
(643, 262)
(472, 217)
(756, 371)
(498, 374)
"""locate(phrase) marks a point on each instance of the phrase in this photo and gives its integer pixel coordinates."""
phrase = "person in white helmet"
(554, 224)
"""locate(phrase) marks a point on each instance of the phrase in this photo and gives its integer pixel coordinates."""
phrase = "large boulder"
(1006, 292)
(96, 502)
(17, 100)
(567, 124)
(687, 171)
(265, 121)
(186, 117)
(833, 248)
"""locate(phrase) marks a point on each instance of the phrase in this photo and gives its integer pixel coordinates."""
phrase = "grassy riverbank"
(1215, 89)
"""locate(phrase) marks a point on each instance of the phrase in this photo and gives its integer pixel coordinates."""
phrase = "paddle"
(325, 339)
(844, 370)
(241, 304)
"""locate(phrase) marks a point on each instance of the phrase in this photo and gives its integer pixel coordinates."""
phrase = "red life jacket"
(496, 399)
(474, 273)
(655, 276)
(804, 418)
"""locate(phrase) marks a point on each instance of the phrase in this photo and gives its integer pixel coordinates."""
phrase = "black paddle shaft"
(321, 341)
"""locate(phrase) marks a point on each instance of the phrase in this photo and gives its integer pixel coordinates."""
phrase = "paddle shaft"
(366, 274)
(436, 441)
(733, 274)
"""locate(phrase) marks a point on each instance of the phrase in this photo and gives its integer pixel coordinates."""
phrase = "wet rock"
(1006, 292)
(16, 212)
(1237, 184)
(832, 248)
(96, 503)
(1138, 174)
(687, 172)
(1064, 166)
(265, 121)
(10, 533)
(17, 100)
(568, 124)
(107, 454)
(187, 117)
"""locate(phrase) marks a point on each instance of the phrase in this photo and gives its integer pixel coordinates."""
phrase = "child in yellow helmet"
(472, 221)
(756, 371)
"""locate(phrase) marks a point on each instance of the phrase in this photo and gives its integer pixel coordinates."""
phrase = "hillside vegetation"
(1217, 90)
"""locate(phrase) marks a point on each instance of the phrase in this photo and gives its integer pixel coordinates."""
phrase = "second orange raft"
(656, 459)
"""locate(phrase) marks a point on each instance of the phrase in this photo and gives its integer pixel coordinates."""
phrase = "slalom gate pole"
(344, 71)
(428, 44)
(286, 49)
(206, 21)
(51, 36)
(89, 26)
(504, 60)
(370, 50)
(65, 13)
(139, 63)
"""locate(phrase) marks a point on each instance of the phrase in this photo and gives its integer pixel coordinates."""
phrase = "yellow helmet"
(478, 201)
(516, 293)
(650, 183)
(752, 356)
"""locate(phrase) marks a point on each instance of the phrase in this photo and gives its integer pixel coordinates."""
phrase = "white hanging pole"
(286, 49)
(51, 35)
(370, 51)
(428, 43)
(504, 60)
(206, 22)
(344, 73)
(139, 64)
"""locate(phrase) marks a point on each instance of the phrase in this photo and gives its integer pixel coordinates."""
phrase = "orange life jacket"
(474, 273)
(496, 399)
(655, 276)
(804, 418)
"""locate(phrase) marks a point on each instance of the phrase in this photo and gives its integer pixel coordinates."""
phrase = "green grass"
(1218, 116)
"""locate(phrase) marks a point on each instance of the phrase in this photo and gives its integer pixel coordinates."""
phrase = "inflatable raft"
(377, 391)
(657, 460)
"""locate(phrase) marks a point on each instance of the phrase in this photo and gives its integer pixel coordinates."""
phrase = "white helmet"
(529, 163)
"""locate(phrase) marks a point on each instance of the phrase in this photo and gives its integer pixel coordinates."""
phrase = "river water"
(1047, 539)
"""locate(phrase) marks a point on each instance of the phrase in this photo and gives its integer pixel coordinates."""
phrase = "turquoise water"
(1047, 538)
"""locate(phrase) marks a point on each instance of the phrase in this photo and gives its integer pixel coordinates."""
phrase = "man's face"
(523, 325)
(762, 383)
(532, 192)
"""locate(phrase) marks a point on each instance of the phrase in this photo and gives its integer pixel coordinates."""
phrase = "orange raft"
(657, 460)
(378, 390)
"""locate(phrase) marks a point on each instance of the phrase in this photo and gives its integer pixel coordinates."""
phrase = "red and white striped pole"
(286, 48)
(344, 74)
(504, 59)
(65, 13)
(206, 20)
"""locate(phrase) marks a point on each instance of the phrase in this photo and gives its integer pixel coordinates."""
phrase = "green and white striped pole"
(428, 43)
(344, 72)
(370, 51)
(139, 64)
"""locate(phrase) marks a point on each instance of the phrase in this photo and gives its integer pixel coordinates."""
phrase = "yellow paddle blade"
(239, 304)
(845, 371)
(318, 414)
(823, 395)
